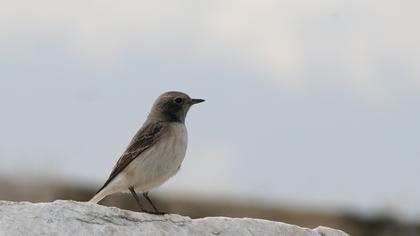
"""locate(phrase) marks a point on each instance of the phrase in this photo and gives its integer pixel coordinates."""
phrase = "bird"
(155, 153)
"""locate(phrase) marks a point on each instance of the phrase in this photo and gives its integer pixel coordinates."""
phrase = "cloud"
(293, 44)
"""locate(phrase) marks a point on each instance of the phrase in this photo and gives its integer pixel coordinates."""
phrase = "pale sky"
(307, 102)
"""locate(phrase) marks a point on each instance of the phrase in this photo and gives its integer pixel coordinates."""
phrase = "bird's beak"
(195, 101)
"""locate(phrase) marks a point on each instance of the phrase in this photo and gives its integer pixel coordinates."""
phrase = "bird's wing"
(144, 139)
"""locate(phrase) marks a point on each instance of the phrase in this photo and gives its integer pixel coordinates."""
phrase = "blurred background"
(311, 114)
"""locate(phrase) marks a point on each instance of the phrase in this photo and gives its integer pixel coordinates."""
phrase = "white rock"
(79, 218)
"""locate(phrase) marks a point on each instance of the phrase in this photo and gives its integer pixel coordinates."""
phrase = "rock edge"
(82, 218)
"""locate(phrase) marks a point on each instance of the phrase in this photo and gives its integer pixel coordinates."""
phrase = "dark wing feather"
(144, 139)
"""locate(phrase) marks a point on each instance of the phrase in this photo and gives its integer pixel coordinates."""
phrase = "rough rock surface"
(79, 218)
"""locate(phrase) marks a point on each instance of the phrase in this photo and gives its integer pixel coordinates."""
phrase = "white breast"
(158, 163)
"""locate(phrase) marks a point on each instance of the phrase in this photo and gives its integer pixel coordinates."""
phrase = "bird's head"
(172, 106)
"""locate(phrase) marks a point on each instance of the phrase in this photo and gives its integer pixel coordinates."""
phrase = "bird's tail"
(98, 196)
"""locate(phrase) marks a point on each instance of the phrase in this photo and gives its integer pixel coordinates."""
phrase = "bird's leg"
(133, 192)
(146, 195)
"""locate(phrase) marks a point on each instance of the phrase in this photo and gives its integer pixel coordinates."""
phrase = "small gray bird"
(155, 153)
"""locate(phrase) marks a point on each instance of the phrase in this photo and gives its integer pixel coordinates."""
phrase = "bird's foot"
(155, 212)
(159, 213)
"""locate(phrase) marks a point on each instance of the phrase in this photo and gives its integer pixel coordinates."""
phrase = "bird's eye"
(178, 100)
